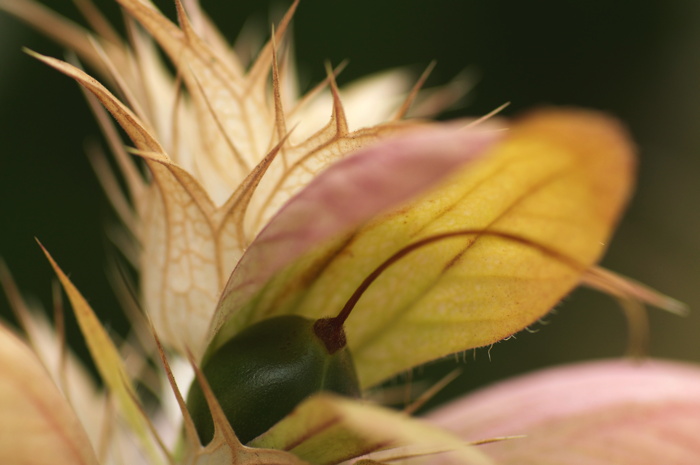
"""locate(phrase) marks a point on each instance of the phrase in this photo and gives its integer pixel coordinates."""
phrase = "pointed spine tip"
(338, 109)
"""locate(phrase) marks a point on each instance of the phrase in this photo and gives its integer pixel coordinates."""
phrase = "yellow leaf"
(560, 179)
(354, 429)
(350, 193)
(47, 343)
(37, 426)
(107, 359)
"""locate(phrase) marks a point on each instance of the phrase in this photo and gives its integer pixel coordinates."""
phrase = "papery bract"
(224, 152)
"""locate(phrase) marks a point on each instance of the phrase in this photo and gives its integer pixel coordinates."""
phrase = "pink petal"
(349, 193)
(603, 413)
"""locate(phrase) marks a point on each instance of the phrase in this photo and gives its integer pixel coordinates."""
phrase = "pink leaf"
(603, 413)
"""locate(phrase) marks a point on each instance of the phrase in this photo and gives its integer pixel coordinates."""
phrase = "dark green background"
(635, 59)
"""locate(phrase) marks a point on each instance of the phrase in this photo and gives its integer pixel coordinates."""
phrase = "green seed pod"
(262, 373)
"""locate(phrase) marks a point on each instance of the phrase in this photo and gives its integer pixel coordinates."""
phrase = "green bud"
(264, 372)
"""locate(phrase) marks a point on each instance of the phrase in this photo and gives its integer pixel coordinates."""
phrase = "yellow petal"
(327, 429)
(560, 178)
(37, 426)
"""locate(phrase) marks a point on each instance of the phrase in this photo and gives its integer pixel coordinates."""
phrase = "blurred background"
(637, 60)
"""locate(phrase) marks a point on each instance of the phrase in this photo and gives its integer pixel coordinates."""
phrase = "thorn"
(341, 122)
(410, 99)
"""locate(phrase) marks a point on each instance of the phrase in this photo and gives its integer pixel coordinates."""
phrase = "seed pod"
(262, 373)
